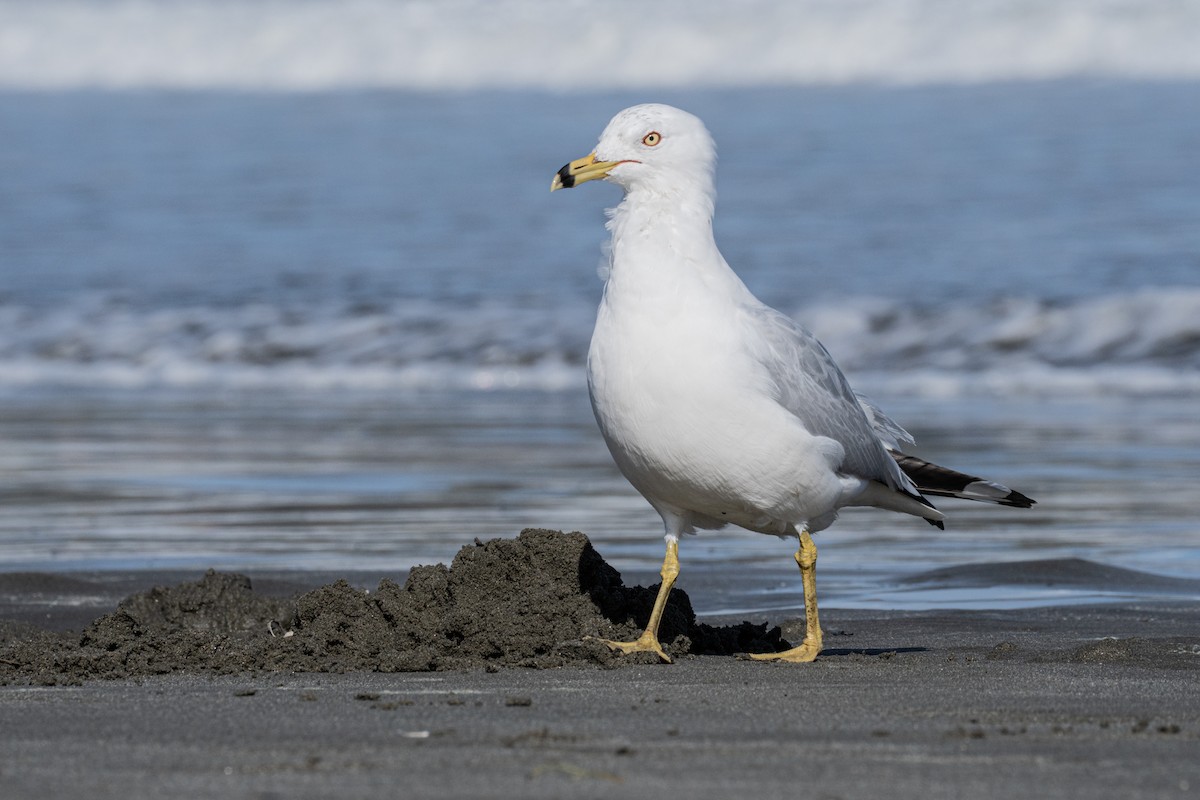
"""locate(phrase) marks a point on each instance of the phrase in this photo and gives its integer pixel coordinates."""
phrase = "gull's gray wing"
(808, 383)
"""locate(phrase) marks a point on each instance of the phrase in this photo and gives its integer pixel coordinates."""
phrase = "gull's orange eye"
(652, 138)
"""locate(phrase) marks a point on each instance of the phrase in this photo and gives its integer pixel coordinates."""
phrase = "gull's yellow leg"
(648, 641)
(806, 557)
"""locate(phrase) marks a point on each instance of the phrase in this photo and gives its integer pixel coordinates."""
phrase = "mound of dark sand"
(528, 602)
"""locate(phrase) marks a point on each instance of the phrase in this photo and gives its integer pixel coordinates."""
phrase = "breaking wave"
(560, 44)
(1146, 342)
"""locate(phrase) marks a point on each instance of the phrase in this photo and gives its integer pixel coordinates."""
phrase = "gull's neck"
(661, 228)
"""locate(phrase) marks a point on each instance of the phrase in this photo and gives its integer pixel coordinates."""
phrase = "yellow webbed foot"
(807, 651)
(646, 643)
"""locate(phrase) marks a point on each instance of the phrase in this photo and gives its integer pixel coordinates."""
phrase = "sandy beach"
(1085, 701)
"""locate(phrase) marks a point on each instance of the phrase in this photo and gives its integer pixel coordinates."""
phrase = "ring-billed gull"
(717, 408)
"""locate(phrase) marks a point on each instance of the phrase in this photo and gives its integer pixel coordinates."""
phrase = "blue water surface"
(345, 329)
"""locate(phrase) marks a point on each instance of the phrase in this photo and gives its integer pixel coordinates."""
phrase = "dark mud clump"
(539, 600)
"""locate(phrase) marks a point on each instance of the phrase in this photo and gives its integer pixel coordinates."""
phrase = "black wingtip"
(937, 523)
(932, 479)
(1017, 500)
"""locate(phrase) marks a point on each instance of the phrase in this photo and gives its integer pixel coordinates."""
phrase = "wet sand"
(1097, 701)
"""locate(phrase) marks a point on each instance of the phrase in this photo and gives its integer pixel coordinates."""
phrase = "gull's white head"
(652, 147)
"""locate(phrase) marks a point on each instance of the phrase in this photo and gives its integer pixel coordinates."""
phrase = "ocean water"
(303, 300)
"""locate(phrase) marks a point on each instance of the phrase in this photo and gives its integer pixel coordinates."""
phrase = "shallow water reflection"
(172, 480)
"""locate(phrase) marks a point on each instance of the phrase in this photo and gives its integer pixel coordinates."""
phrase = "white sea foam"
(1143, 343)
(559, 44)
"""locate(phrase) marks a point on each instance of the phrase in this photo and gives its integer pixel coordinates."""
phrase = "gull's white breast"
(689, 413)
